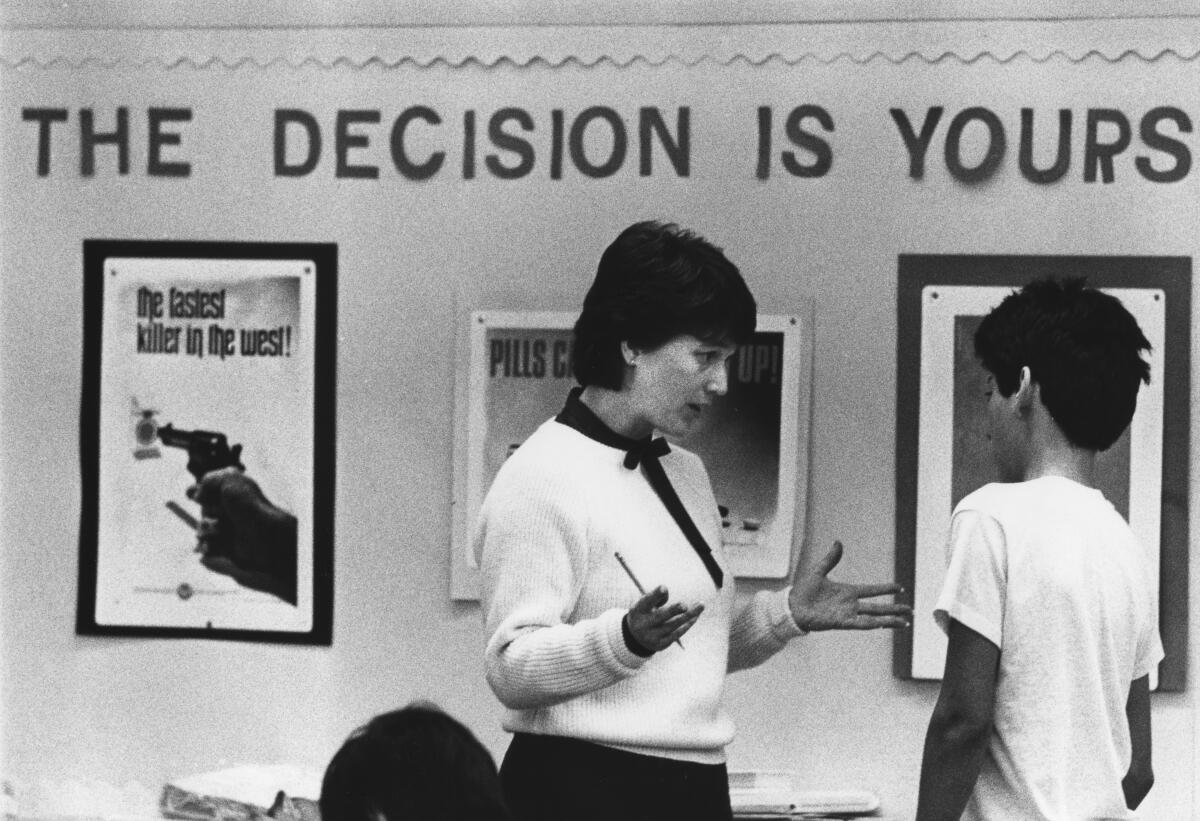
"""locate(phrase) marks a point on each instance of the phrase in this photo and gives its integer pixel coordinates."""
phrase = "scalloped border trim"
(1002, 42)
(232, 64)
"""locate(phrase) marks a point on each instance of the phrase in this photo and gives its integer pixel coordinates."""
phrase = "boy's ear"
(1026, 389)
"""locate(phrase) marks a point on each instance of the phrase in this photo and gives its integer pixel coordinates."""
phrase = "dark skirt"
(551, 778)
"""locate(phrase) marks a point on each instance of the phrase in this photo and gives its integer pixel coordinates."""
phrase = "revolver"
(207, 450)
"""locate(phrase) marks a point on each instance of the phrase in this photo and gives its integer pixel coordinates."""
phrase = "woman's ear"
(1026, 389)
(628, 353)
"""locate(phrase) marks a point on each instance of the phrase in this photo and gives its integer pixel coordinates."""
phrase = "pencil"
(637, 584)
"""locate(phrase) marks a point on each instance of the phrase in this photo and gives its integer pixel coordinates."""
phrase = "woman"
(614, 695)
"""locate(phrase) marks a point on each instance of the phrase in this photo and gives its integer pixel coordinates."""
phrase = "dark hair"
(1083, 349)
(654, 282)
(413, 764)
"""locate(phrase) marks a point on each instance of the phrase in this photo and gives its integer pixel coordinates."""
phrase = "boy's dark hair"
(654, 282)
(412, 764)
(1083, 349)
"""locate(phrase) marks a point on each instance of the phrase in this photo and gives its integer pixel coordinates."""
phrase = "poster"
(208, 365)
(752, 440)
(942, 451)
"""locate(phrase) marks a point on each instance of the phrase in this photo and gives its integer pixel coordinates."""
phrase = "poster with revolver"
(207, 440)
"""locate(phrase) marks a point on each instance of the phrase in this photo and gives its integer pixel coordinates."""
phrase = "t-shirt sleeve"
(1150, 653)
(1149, 642)
(1149, 647)
(976, 576)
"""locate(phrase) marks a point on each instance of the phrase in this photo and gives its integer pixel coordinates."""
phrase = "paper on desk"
(761, 803)
(255, 784)
(836, 802)
(758, 792)
(772, 792)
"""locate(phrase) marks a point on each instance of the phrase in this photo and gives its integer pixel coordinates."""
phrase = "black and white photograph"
(693, 411)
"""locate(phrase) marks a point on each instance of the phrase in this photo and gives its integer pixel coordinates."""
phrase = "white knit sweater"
(554, 596)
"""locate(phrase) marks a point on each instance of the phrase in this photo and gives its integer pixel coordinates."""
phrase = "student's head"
(412, 764)
(661, 290)
(1083, 350)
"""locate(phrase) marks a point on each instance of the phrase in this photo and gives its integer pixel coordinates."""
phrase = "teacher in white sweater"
(614, 695)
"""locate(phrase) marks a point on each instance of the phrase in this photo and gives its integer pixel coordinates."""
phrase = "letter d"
(284, 117)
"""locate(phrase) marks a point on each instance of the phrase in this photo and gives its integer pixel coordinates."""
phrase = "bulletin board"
(472, 163)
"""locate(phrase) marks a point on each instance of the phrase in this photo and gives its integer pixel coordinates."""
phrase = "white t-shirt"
(1049, 572)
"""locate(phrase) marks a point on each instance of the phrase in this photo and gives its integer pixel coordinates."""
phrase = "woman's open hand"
(817, 603)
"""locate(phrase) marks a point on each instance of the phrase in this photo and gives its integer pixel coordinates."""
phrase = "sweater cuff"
(632, 643)
(779, 614)
(613, 625)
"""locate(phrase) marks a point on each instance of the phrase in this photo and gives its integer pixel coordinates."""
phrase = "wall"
(413, 256)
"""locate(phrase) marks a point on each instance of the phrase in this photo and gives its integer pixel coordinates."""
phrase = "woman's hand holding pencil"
(653, 625)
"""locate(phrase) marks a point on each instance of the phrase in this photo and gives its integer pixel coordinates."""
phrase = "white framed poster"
(516, 373)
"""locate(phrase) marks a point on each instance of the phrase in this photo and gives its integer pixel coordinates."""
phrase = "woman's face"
(670, 386)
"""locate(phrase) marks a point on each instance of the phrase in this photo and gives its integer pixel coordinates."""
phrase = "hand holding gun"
(240, 533)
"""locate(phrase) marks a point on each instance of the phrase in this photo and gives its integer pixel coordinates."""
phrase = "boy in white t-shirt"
(1048, 603)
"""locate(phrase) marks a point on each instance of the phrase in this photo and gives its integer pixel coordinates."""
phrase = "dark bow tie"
(646, 453)
(646, 448)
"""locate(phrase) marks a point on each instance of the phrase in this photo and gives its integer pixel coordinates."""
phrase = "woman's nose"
(718, 381)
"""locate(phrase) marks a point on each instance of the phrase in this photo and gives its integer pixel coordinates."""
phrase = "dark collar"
(575, 414)
(579, 416)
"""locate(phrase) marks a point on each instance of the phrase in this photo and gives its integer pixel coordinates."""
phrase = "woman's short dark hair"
(657, 281)
(1082, 348)
(408, 765)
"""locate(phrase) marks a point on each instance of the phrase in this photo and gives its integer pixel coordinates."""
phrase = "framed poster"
(517, 373)
(213, 360)
(942, 452)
